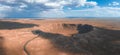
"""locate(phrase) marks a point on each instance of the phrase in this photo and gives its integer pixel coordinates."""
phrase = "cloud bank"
(56, 9)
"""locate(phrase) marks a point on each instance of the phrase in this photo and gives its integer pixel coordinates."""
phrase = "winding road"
(25, 45)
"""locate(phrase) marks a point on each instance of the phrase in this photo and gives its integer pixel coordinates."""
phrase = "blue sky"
(59, 8)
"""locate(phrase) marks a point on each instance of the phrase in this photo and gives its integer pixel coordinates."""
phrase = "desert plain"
(15, 33)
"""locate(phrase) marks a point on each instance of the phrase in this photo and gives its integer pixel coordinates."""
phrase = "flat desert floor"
(59, 37)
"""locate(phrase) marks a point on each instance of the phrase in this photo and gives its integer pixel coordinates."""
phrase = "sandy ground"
(13, 39)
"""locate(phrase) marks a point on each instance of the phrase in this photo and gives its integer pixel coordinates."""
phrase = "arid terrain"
(59, 37)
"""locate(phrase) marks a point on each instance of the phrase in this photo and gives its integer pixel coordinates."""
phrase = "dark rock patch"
(90, 40)
(14, 25)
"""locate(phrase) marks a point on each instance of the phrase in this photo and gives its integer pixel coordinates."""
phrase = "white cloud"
(30, 1)
(56, 8)
(114, 4)
(9, 1)
(23, 5)
(91, 3)
(4, 9)
(95, 12)
(36, 1)
(80, 2)
(51, 14)
(41, 1)
(59, 4)
(55, 5)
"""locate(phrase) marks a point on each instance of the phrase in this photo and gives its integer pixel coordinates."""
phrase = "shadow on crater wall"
(14, 25)
(90, 40)
(2, 50)
(84, 28)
